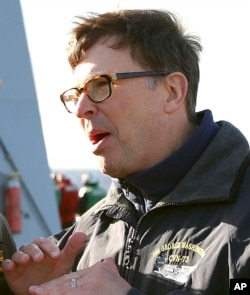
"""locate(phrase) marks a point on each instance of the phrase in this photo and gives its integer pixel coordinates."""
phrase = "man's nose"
(85, 108)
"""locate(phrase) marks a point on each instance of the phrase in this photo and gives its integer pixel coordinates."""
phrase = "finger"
(20, 257)
(28, 250)
(73, 247)
(47, 246)
(17, 258)
(8, 265)
(37, 251)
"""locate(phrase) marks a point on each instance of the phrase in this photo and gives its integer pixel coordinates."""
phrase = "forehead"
(101, 58)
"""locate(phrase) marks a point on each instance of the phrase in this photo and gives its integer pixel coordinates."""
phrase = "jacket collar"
(209, 178)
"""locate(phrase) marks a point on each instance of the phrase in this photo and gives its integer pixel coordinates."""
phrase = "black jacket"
(193, 240)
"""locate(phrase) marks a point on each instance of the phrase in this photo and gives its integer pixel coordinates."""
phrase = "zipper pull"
(126, 187)
(127, 191)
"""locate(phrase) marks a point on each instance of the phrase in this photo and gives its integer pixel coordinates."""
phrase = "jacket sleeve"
(134, 291)
(7, 249)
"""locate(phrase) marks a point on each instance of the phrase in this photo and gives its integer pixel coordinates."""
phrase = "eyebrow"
(89, 77)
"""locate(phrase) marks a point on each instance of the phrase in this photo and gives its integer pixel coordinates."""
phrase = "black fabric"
(239, 178)
(134, 291)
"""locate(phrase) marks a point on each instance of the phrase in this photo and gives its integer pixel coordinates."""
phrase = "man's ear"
(176, 85)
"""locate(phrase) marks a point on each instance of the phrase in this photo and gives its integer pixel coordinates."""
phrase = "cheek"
(136, 133)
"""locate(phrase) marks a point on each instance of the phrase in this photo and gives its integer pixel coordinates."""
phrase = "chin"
(108, 166)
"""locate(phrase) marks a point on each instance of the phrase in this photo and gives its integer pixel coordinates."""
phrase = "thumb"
(72, 248)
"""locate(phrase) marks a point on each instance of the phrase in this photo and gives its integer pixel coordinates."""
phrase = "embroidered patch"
(176, 261)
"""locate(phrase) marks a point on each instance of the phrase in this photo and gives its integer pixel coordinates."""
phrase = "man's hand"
(40, 262)
(100, 279)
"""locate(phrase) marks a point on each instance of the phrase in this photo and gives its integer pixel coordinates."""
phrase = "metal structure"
(22, 147)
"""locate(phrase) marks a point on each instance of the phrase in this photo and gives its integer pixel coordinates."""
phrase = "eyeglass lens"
(97, 89)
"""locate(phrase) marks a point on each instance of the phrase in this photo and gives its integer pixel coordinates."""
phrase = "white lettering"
(240, 286)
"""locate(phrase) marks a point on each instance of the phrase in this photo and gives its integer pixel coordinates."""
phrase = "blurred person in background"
(90, 192)
(68, 200)
(58, 193)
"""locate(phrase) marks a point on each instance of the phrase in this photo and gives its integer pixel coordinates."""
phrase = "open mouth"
(97, 137)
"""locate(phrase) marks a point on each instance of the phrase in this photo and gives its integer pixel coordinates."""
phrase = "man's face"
(124, 130)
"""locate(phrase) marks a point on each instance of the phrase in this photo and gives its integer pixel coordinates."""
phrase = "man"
(69, 200)
(176, 219)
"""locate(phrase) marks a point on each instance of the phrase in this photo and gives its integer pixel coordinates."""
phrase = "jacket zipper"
(131, 241)
(130, 246)
(128, 256)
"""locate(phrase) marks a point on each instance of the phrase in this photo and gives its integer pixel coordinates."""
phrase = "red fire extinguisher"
(12, 194)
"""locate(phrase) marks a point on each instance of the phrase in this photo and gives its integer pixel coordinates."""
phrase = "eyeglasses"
(99, 87)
